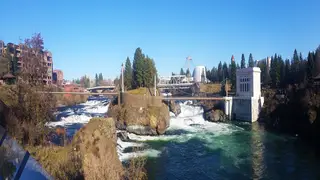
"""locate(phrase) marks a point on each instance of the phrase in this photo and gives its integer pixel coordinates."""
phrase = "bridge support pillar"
(228, 107)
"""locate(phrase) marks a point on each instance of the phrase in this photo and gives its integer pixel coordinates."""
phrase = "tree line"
(298, 70)
(278, 73)
(141, 73)
(226, 71)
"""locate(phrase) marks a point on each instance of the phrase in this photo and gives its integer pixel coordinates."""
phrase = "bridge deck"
(163, 98)
(174, 85)
(195, 98)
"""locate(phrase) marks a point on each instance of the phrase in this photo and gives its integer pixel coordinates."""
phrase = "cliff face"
(295, 112)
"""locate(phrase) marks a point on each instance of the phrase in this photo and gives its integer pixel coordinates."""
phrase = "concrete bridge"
(101, 89)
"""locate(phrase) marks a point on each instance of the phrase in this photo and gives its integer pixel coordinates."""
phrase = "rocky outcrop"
(212, 111)
(95, 144)
(215, 116)
(296, 112)
(173, 107)
(141, 121)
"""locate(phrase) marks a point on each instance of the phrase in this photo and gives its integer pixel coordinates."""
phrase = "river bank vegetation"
(24, 114)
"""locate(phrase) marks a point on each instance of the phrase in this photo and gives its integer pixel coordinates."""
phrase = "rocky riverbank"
(296, 111)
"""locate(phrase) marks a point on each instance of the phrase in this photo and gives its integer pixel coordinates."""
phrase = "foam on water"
(190, 121)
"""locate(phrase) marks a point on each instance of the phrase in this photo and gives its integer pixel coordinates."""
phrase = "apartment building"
(16, 51)
(57, 77)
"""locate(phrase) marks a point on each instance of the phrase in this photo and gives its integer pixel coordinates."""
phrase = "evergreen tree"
(214, 75)
(128, 74)
(310, 66)
(238, 66)
(182, 72)
(220, 72)
(243, 62)
(149, 72)
(281, 72)
(317, 61)
(295, 63)
(188, 73)
(250, 62)
(97, 80)
(225, 71)
(233, 69)
(275, 71)
(138, 68)
(287, 72)
(100, 77)
(263, 68)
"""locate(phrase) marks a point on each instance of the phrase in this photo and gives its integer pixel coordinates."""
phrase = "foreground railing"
(18, 158)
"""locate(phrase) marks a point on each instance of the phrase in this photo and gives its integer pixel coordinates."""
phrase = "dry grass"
(96, 145)
(135, 169)
(60, 162)
(210, 88)
(140, 91)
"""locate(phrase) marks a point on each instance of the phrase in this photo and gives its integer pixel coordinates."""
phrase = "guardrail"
(23, 162)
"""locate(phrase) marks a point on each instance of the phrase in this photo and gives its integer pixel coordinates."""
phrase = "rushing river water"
(196, 149)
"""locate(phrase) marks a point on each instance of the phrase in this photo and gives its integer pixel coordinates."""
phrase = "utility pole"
(122, 82)
(226, 87)
(155, 85)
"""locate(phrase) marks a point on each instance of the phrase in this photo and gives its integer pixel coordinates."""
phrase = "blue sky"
(88, 37)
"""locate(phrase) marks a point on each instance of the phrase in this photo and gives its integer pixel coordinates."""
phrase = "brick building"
(57, 77)
(16, 51)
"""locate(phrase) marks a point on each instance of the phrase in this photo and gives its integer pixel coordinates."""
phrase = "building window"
(244, 84)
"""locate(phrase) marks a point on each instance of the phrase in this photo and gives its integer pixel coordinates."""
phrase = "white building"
(199, 74)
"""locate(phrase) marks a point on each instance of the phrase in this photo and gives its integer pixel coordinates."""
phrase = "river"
(196, 149)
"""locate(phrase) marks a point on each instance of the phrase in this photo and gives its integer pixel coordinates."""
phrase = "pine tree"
(295, 63)
(220, 72)
(128, 74)
(214, 75)
(149, 72)
(243, 62)
(238, 66)
(97, 80)
(310, 66)
(275, 71)
(138, 68)
(281, 71)
(263, 68)
(188, 73)
(287, 72)
(225, 71)
(182, 72)
(250, 62)
(233, 69)
(100, 77)
(317, 61)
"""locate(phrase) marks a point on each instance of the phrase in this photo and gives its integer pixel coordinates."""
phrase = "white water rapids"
(187, 125)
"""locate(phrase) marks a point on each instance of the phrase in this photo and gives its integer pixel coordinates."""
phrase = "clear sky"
(88, 37)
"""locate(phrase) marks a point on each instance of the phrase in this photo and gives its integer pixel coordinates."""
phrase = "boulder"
(141, 130)
(215, 116)
(96, 144)
(174, 107)
(140, 120)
